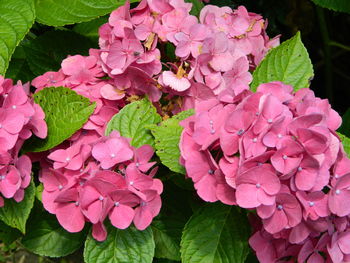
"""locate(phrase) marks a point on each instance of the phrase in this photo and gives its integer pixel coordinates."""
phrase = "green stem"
(336, 44)
(327, 53)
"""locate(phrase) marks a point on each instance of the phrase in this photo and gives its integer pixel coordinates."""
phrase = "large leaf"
(46, 52)
(121, 246)
(167, 138)
(8, 234)
(65, 113)
(346, 143)
(132, 120)
(16, 18)
(90, 29)
(64, 12)
(289, 63)
(336, 5)
(46, 237)
(168, 225)
(345, 126)
(216, 233)
(16, 214)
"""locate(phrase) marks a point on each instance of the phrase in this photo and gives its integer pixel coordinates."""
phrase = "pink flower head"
(175, 81)
(257, 186)
(124, 52)
(142, 155)
(17, 102)
(288, 157)
(339, 247)
(137, 181)
(122, 213)
(10, 181)
(192, 43)
(148, 209)
(68, 210)
(112, 151)
(11, 124)
(339, 197)
(286, 213)
(315, 204)
(236, 125)
(71, 158)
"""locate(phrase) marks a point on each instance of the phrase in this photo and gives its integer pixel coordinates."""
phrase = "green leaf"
(336, 5)
(46, 52)
(346, 143)
(65, 113)
(131, 122)
(19, 70)
(90, 29)
(16, 18)
(167, 138)
(8, 234)
(175, 212)
(121, 246)
(196, 7)
(16, 214)
(46, 237)
(64, 12)
(345, 126)
(216, 233)
(168, 225)
(39, 192)
(167, 235)
(289, 63)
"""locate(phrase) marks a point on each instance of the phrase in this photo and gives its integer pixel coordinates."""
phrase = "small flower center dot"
(311, 204)
(269, 120)
(279, 135)
(240, 132)
(258, 185)
(112, 155)
(76, 203)
(212, 131)
(300, 169)
(337, 192)
(210, 171)
(60, 187)
(285, 157)
(100, 198)
(137, 165)
(255, 139)
(2, 177)
(0, 126)
(14, 107)
(280, 207)
(131, 183)
(67, 159)
(143, 203)
(116, 204)
(336, 176)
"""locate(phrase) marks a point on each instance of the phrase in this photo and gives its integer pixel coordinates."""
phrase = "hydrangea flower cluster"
(214, 54)
(275, 151)
(90, 176)
(90, 181)
(87, 174)
(20, 117)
